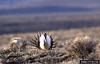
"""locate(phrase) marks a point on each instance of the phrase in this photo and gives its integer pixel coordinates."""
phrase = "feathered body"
(43, 41)
(17, 43)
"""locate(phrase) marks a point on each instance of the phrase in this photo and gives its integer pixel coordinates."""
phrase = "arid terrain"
(63, 27)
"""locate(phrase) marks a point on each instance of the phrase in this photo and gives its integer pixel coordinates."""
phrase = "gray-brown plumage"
(18, 43)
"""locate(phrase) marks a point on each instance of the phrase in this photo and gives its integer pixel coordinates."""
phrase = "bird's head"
(18, 41)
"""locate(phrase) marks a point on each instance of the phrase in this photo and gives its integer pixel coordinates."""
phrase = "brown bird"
(18, 43)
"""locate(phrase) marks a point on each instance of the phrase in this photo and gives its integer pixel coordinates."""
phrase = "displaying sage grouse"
(43, 41)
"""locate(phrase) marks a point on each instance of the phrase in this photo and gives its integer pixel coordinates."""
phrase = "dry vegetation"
(76, 40)
(72, 46)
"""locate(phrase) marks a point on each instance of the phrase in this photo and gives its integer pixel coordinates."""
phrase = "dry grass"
(81, 46)
(33, 56)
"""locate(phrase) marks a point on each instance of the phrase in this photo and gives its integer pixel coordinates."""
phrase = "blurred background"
(24, 16)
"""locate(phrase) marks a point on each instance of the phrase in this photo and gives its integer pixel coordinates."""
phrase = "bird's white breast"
(48, 39)
(45, 42)
(14, 41)
(42, 39)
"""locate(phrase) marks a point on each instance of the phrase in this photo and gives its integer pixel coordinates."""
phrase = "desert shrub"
(97, 52)
(35, 56)
(8, 57)
(82, 47)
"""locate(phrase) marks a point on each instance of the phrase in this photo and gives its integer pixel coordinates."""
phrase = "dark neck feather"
(45, 35)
